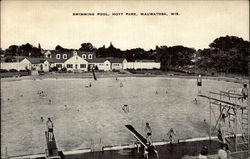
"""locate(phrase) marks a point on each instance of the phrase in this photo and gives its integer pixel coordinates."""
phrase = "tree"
(174, 56)
(87, 47)
(11, 50)
(228, 54)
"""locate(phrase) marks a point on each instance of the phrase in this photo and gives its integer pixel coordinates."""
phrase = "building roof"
(115, 60)
(96, 60)
(54, 60)
(35, 60)
(80, 53)
(42, 60)
(144, 60)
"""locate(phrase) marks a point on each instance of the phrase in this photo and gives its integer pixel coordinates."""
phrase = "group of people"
(50, 126)
(223, 152)
(41, 93)
(148, 132)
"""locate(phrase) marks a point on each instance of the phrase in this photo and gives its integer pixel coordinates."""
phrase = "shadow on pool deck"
(165, 151)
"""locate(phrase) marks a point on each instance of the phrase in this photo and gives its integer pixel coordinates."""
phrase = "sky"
(52, 23)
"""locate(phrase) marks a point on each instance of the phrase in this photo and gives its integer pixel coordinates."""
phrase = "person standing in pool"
(148, 131)
(171, 134)
(121, 85)
(50, 127)
(199, 83)
(125, 108)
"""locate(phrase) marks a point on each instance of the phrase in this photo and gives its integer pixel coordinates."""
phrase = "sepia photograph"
(125, 79)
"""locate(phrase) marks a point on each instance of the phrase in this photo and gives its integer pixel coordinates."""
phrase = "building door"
(41, 67)
(76, 66)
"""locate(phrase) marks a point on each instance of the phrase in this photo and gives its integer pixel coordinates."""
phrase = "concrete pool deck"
(115, 74)
(185, 149)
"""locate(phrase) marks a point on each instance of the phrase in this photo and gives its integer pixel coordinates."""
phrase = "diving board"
(137, 135)
(150, 149)
(52, 151)
(222, 101)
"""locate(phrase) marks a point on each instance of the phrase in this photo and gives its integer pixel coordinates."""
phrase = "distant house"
(118, 63)
(101, 63)
(76, 63)
(21, 64)
(39, 64)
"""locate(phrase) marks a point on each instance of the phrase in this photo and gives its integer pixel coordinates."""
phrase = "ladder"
(243, 141)
(235, 108)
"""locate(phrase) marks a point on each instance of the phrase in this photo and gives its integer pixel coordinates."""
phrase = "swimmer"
(204, 121)
(125, 108)
(156, 92)
(244, 91)
(42, 119)
(90, 85)
(166, 92)
(121, 85)
(195, 101)
(49, 101)
(65, 107)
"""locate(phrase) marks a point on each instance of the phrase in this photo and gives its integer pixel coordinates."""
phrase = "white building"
(101, 63)
(118, 63)
(38, 64)
(24, 64)
(144, 64)
(76, 63)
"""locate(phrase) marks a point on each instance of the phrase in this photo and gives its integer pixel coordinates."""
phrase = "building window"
(45, 64)
(59, 65)
(100, 64)
(58, 56)
(69, 65)
(82, 65)
(83, 56)
(64, 56)
(90, 56)
(107, 64)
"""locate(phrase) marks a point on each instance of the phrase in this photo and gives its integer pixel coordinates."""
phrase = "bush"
(24, 71)
(13, 70)
(3, 70)
(54, 69)
(64, 70)
(41, 72)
